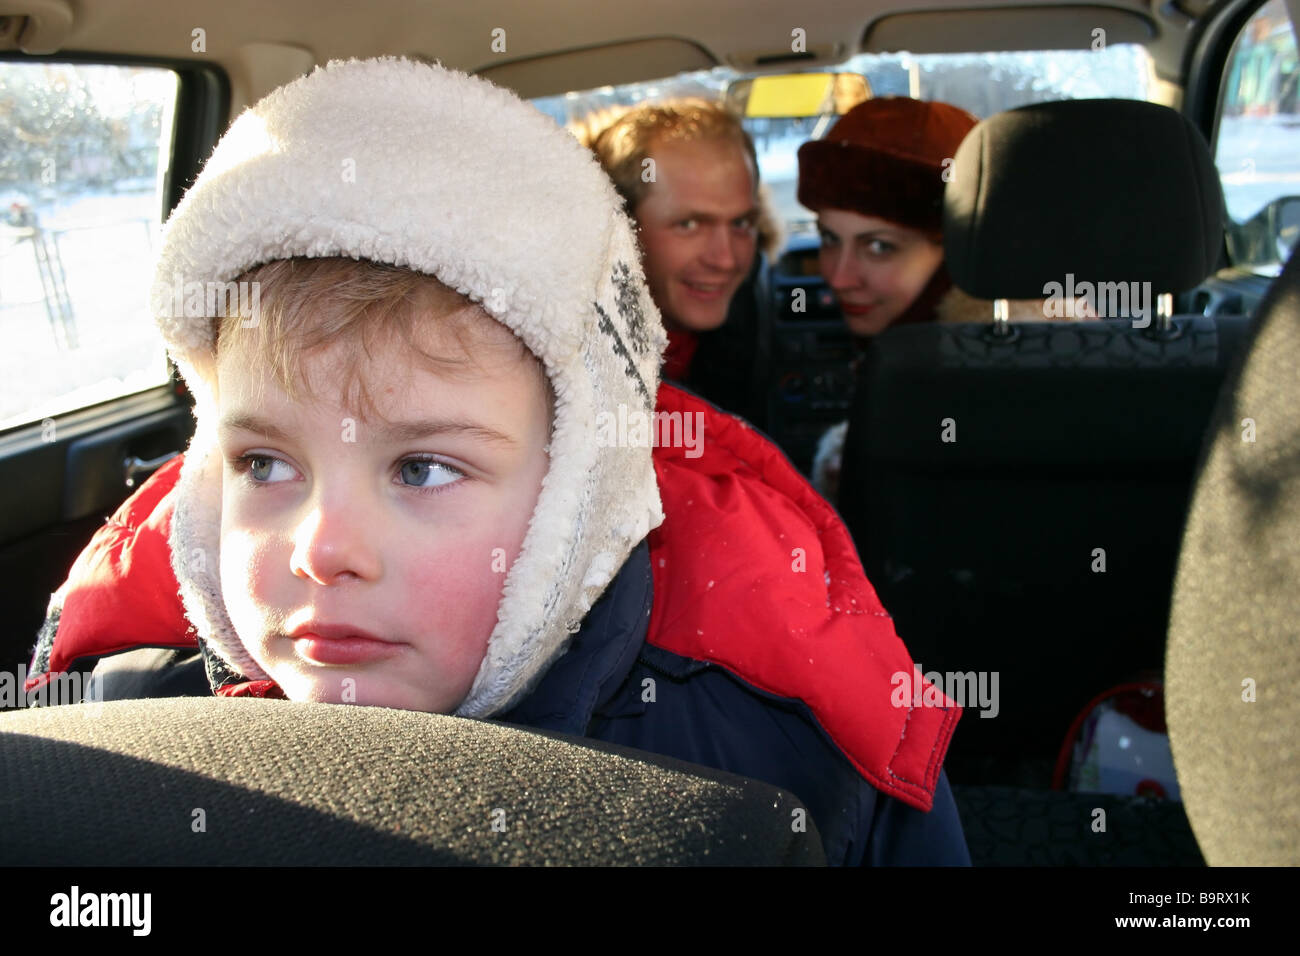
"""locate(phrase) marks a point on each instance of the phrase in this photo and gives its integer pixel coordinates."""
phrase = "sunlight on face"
(363, 561)
(876, 268)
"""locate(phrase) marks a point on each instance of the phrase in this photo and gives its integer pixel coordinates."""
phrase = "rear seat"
(1075, 442)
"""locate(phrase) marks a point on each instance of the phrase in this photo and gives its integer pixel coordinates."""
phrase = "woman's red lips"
(856, 309)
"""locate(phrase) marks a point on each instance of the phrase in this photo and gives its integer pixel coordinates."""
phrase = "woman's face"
(877, 268)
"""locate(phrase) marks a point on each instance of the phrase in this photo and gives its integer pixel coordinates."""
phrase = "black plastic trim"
(1206, 55)
(1207, 51)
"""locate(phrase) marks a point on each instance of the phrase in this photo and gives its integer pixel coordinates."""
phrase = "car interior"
(1024, 496)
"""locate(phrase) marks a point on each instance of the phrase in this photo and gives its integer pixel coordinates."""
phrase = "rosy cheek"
(454, 593)
(248, 581)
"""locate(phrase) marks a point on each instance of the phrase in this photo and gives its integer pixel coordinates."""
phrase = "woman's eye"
(422, 473)
(879, 247)
(829, 239)
(264, 469)
(688, 225)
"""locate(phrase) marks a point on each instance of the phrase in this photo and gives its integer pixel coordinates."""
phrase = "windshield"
(982, 83)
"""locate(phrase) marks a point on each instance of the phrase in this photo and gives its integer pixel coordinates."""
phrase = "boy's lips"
(340, 644)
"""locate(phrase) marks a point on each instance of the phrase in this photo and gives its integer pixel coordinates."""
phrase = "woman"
(876, 183)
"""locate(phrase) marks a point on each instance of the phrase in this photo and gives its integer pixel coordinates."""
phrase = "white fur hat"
(413, 165)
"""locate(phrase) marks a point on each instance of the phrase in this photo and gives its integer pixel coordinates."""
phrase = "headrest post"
(1001, 315)
(1164, 311)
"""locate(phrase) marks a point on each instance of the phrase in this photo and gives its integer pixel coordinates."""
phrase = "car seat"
(1017, 491)
(1233, 660)
(139, 783)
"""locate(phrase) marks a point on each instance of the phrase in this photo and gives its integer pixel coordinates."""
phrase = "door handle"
(138, 467)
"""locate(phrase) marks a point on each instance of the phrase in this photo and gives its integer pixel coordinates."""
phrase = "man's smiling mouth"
(709, 290)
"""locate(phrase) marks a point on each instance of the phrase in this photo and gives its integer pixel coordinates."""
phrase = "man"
(688, 173)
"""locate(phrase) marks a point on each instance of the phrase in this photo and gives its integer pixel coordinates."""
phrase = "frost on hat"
(413, 165)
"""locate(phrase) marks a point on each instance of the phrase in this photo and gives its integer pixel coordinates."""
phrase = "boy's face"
(363, 561)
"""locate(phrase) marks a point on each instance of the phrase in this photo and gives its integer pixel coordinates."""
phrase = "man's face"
(363, 561)
(698, 226)
(876, 268)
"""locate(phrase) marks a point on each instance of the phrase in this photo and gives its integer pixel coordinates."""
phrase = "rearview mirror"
(797, 94)
(1268, 238)
(1286, 227)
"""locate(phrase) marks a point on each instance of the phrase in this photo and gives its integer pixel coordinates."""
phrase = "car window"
(1257, 144)
(982, 83)
(84, 156)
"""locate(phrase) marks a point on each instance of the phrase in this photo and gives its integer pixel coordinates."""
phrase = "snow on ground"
(106, 245)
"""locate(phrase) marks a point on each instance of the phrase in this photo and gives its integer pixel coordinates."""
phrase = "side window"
(83, 156)
(1257, 146)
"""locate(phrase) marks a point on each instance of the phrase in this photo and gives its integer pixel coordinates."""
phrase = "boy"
(404, 488)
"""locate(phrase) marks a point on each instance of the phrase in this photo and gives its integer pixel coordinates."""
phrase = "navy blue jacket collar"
(599, 657)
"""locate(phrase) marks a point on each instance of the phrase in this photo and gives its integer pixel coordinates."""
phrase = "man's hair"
(623, 141)
(308, 304)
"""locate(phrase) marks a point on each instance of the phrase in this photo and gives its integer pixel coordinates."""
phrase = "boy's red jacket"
(752, 570)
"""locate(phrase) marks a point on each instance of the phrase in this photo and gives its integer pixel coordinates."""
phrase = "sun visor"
(608, 65)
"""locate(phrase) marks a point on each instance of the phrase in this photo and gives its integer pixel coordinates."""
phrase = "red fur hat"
(885, 158)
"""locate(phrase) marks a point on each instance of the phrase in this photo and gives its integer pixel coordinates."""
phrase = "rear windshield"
(982, 83)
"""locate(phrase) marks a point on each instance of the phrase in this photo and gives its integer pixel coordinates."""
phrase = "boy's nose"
(334, 545)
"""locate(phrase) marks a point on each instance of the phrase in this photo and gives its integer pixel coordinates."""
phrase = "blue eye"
(425, 473)
(263, 469)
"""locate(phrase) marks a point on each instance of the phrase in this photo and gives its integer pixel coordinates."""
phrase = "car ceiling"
(570, 44)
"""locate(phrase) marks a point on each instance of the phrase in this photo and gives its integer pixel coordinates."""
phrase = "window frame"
(33, 472)
(1205, 69)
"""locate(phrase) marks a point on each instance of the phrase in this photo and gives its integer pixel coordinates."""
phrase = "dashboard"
(810, 382)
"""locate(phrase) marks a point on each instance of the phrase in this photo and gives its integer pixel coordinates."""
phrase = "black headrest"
(189, 781)
(1104, 190)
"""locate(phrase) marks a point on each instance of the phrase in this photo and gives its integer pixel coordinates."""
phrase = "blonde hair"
(308, 304)
(622, 141)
